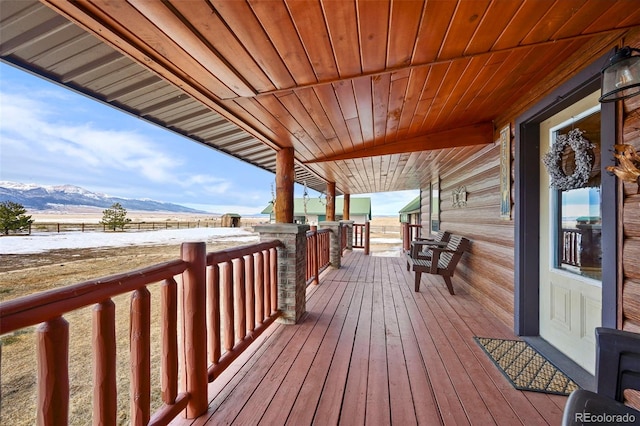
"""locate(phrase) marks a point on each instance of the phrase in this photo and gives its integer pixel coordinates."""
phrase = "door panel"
(570, 260)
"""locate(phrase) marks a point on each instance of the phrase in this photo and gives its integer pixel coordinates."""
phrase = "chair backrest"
(617, 362)
(458, 245)
(443, 236)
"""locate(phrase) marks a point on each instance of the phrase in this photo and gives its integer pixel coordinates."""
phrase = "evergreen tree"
(115, 217)
(13, 218)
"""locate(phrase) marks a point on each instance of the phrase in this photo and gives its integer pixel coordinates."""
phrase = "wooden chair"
(617, 369)
(443, 261)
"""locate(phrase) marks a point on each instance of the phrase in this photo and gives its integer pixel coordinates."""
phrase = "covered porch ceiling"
(372, 95)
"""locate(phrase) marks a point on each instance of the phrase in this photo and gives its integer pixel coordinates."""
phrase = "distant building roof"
(412, 207)
(316, 207)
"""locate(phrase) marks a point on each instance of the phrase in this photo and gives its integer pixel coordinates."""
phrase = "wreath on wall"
(584, 160)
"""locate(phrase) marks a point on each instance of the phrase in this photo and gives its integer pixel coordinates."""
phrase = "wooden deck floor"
(372, 351)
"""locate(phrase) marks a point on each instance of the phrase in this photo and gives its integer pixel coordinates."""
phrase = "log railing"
(410, 232)
(318, 246)
(343, 237)
(236, 287)
(361, 233)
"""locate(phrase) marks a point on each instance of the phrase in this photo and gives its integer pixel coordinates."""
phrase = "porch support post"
(334, 241)
(346, 207)
(292, 267)
(349, 229)
(194, 328)
(285, 174)
(331, 201)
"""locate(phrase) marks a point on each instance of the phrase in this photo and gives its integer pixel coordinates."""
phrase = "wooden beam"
(331, 201)
(285, 176)
(476, 134)
(346, 206)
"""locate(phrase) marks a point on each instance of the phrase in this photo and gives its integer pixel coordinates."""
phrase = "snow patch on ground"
(39, 242)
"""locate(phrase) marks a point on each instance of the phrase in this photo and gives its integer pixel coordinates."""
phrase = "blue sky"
(52, 136)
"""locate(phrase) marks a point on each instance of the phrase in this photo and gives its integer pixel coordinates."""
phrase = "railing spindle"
(240, 301)
(53, 372)
(169, 336)
(105, 397)
(260, 275)
(250, 292)
(267, 283)
(273, 282)
(227, 309)
(140, 341)
(213, 309)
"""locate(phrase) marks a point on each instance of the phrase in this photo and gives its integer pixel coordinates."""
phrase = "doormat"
(525, 368)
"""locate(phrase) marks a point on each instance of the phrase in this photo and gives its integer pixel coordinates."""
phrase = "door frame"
(527, 193)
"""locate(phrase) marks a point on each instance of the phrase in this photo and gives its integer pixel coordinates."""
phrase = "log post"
(285, 175)
(367, 233)
(140, 349)
(346, 207)
(194, 329)
(53, 372)
(331, 201)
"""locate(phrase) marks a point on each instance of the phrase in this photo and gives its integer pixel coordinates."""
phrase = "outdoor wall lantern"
(621, 77)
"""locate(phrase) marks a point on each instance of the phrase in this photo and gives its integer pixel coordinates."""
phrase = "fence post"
(194, 330)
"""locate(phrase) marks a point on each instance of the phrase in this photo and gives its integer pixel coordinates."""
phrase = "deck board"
(370, 350)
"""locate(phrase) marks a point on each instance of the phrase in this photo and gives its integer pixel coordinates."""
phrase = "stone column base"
(292, 267)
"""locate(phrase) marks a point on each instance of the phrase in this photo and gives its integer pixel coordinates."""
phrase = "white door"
(570, 255)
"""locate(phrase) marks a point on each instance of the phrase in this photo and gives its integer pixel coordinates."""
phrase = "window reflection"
(578, 212)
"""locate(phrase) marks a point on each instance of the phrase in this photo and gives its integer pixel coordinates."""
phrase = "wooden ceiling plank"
(466, 19)
(373, 26)
(355, 132)
(184, 39)
(397, 94)
(381, 86)
(347, 99)
(315, 109)
(343, 32)
(522, 22)
(403, 31)
(241, 20)
(490, 28)
(433, 28)
(364, 102)
(115, 32)
(445, 91)
(211, 28)
(470, 83)
(277, 23)
(611, 16)
(429, 92)
(417, 79)
(308, 132)
(552, 21)
(331, 106)
(251, 110)
(309, 22)
(582, 18)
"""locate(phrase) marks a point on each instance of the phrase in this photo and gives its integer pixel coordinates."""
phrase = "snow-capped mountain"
(41, 197)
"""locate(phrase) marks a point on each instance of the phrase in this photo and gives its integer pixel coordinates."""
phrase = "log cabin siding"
(631, 225)
(486, 272)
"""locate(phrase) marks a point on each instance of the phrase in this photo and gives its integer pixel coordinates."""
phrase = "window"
(577, 212)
